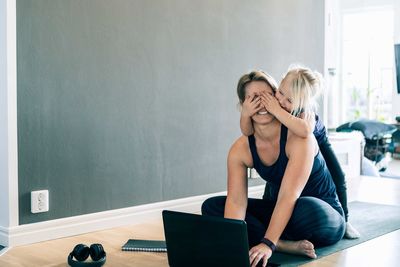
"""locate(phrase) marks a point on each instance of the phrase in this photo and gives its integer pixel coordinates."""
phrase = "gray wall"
(122, 103)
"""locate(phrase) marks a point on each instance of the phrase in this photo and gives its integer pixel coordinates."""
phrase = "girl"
(294, 105)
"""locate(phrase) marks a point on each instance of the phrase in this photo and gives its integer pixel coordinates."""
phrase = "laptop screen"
(196, 240)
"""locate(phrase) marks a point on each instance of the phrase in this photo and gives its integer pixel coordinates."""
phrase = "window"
(367, 64)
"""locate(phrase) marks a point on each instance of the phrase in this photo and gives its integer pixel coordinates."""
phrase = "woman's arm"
(236, 201)
(299, 126)
(301, 153)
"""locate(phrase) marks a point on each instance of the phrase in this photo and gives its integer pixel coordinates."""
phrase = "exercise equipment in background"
(378, 139)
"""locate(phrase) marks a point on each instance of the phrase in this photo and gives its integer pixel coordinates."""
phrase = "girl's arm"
(236, 200)
(299, 126)
(246, 125)
(251, 105)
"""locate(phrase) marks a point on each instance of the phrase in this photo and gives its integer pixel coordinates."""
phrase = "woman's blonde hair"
(305, 87)
(256, 75)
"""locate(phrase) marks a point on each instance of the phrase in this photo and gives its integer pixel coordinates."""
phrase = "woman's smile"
(262, 112)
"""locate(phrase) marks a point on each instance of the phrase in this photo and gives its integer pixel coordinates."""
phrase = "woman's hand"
(259, 252)
(251, 105)
(270, 103)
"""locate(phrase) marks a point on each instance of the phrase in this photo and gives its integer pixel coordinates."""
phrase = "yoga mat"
(2, 250)
(389, 175)
(371, 220)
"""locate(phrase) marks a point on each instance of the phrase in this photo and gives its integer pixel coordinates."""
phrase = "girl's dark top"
(319, 131)
(319, 184)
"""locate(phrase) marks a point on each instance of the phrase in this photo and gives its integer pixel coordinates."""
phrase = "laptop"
(195, 240)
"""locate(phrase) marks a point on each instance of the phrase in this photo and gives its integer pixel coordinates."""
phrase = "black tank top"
(319, 184)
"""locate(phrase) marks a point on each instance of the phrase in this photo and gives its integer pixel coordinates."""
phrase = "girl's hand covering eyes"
(270, 103)
(251, 105)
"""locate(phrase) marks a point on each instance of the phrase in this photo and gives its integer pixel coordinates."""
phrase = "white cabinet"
(349, 149)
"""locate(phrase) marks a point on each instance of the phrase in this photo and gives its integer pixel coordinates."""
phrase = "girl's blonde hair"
(305, 87)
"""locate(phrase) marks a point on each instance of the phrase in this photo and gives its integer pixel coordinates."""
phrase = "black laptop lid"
(195, 240)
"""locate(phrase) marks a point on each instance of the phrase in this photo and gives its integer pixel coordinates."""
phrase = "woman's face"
(255, 89)
(284, 95)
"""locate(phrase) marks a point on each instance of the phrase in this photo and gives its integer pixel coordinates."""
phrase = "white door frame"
(8, 121)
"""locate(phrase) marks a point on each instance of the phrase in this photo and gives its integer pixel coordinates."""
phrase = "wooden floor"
(382, 251)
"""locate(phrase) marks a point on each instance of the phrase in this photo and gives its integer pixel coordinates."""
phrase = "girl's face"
(284, 94)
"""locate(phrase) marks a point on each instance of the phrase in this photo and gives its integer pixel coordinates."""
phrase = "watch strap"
(269, 243)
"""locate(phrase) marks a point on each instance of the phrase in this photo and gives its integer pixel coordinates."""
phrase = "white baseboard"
(59, 228)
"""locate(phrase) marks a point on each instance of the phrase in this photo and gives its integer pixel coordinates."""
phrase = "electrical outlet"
(39, 201)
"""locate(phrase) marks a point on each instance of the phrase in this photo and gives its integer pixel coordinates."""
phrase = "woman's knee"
(214, 206)
(317, 221)
(318, 211)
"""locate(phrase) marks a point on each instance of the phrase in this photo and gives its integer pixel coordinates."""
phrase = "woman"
(304, 210)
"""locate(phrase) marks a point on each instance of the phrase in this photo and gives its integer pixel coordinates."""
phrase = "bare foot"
(351, 232)
(302, 247)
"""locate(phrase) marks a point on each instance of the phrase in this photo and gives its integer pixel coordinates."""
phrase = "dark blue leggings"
(312, 219)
